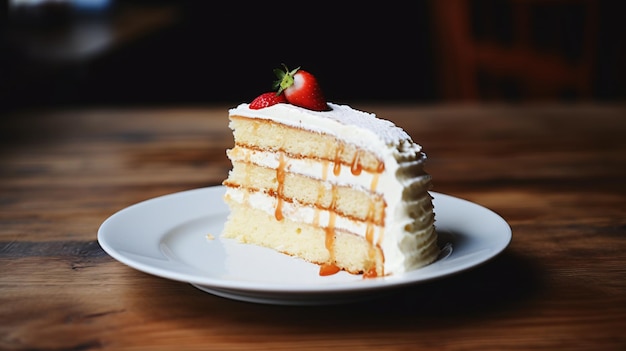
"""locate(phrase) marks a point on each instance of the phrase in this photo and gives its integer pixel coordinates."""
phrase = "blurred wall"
(195, 52)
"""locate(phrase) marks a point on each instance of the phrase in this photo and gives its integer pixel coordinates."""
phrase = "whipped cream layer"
(322, 170)
(403, 182)
(298, 213)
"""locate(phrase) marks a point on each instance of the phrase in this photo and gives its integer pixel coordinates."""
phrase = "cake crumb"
(210, 237)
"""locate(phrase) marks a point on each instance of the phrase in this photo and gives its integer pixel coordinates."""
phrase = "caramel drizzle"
(369, 236)
(369, 232)
(356, 166)
(356, 169)
(324, 170)
(371, 273)
(321, 190)
(280, 177)
(381, 167)
(316, 216)
(337, 166)
(330, 267)
(374, 183)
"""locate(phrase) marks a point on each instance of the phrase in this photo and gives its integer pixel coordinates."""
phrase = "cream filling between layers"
(316, 169)
(325, 170)
(304, 214)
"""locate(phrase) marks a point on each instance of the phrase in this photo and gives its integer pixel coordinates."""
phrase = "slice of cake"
(329, 184)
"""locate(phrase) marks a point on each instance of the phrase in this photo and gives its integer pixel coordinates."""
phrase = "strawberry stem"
(285, 78)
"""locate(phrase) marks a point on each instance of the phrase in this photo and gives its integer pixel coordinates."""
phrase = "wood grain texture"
(555, 173)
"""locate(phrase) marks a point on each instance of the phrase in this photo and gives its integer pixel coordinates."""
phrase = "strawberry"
(267, 99)
(300, 88)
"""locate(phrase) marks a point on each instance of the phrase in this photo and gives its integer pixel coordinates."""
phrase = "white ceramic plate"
(177, 236)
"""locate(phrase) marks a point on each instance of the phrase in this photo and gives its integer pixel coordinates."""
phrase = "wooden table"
(557, 174)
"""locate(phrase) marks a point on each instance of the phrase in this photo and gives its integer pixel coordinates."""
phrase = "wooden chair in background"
(516, 49)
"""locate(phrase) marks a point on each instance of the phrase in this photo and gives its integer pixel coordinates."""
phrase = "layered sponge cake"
(340, 188)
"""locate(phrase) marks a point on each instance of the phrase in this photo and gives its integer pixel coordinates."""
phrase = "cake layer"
(298, 212)
(309, 167)
(349, 252)
(346, 201)
(346, 124)
(263, 134)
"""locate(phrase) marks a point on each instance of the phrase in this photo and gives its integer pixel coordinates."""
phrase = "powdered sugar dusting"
(386, 130)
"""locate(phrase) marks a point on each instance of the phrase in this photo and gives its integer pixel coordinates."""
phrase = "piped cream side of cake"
(408, 238)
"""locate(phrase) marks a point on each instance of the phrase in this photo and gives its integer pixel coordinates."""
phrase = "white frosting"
(356, 127)
(403, 167)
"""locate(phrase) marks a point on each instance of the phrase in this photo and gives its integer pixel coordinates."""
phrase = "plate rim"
(357, 286)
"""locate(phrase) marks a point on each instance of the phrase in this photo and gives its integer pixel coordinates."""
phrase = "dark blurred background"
(104, 52)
